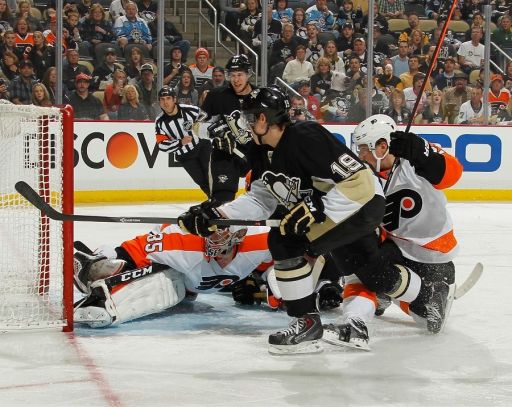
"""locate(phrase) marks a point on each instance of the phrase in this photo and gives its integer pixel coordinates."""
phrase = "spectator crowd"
(319, 48)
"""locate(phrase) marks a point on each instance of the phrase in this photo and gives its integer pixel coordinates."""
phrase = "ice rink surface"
(213, 353)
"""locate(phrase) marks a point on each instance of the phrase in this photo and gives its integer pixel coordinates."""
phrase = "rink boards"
(120, 162)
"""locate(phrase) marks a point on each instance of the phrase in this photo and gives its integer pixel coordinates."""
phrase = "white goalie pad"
(149, 295)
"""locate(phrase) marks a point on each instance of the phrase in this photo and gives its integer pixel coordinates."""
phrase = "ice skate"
(301, 337)
(88, 268)
(439, 305)
(383, 302)
(352, 334)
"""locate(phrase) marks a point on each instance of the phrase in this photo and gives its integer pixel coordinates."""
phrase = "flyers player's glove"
(298, 221)
(226, 142)
(330, 295)
(243, 291)
(197, 219)
(409, 146)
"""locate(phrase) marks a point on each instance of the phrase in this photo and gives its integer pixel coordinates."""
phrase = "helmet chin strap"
(261, 135)
(379, 159)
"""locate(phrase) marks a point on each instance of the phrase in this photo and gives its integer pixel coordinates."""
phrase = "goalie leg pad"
(149, 295)
(98, 309)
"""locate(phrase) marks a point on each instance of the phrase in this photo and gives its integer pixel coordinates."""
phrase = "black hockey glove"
(409, 146)
(243, 291)
(196, 219)
(330, 295)
(225, 142)
(217, 129)
(302, 216)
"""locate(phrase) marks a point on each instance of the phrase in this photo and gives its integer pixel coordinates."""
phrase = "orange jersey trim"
(161, 137)
(404, 306)
(452, 173)
(248, 180)
(27, 40)
(502, 97)
(254, 242)
(443, 244)
(136, 247)
(359, 290)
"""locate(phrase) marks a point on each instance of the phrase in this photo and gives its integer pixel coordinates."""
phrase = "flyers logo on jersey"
(216, 282)
(405, 203)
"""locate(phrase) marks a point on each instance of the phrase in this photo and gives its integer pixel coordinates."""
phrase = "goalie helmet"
(271, 101)
(223, 240)
(373, 129)
(239, 63)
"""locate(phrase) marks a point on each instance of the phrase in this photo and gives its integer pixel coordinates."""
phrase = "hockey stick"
(135, 274)
(35, 199)
(470, 281)
(433, 63)
(124, 277)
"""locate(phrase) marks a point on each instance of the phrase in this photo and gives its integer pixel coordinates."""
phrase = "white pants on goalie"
(149, 295)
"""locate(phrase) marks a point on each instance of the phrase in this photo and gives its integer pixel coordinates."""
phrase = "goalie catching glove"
(409, 146)
(298, 221)
(197, 219)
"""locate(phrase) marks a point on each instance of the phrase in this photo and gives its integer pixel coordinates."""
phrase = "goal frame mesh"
(52, 178)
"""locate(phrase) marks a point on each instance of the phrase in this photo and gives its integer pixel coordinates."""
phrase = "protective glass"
(247, 120)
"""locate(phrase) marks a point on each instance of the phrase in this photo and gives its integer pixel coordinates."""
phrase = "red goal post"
(36, 261)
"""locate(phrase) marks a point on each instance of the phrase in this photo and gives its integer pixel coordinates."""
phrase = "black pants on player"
(196, 163)
(354, 238)
(225, 172)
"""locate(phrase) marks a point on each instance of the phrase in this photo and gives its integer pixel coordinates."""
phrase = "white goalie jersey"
(186, 253)
(190, 269)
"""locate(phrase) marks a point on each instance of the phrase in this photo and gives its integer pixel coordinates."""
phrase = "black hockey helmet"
(271, 101)
(239, 63)
(166, 91)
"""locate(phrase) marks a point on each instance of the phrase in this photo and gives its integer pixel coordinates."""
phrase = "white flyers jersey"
(416, 218)
(185, 253)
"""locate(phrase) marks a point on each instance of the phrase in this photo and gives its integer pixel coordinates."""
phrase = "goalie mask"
(370, 131)
(223, 240)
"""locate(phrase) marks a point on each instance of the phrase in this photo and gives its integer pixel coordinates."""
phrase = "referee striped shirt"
(171, 129)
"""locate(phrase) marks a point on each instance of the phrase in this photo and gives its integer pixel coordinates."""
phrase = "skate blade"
(300, 349)
(449, 303)
(332, 337)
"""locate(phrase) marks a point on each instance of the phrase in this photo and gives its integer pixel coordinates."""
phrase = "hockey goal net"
(36, 289)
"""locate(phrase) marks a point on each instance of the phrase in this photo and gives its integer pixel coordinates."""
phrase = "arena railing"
(502, 53)
(213, 25)
(280, 82)
(239, 43)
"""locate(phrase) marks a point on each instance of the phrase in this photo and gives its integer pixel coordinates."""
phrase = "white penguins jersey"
(185, 253)
(416, 218)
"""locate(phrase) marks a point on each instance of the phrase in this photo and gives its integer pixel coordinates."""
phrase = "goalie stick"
(35, 199)
(470, 281)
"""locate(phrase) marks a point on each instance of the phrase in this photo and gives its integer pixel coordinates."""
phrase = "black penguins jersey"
(309, 160)
(220, 101)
